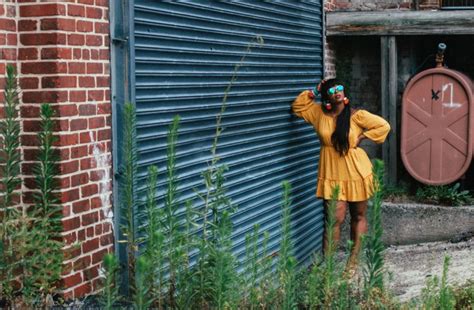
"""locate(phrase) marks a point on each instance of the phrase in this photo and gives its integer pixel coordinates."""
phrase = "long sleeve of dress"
(376, 128)
(304, 107)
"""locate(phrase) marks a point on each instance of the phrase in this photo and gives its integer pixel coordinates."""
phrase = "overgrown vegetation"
(31, 253)
(445, 195)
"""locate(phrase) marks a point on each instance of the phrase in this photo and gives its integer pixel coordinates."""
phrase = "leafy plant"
(374, 248)
(287, 261)
(128, 184)
(44, 254)
(154, 248)
(447, 195)
(10, 160)
(142, 298)
(439, 295)
(110, 294)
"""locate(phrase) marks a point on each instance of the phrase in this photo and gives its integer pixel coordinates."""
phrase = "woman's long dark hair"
(340, 136)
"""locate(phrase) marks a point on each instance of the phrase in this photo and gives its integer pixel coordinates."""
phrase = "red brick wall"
(63, 59)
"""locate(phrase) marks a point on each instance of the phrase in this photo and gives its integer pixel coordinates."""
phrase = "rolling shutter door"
(183, 57)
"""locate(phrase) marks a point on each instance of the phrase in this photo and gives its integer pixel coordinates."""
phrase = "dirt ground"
(411, 265)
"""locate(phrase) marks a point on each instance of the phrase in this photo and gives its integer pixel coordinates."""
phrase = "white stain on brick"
(102, 160)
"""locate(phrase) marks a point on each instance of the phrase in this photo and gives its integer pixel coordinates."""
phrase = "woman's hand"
(359, 140)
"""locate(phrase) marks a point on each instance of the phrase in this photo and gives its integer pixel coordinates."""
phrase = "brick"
(77, 53)
(58, 82)
(77, 96)
(87, 109)
(104, 54)
(86, 1)
(86, 55)
(85, 137)
(86, 81)
(94, 54)
(87, 163)
(81, 206)
(90, 232)
(66, 110)
(56, 53)
(77, 68)
(104, 134)
(79, 179)
(101, 27)
(76, 39)
(31, 126)
(71, 224)
(12, 39)
(42, 10)
(78, 124)
(63, 184)
(7, 24)
(95, 95)
(64, 154)
(99, 256)
(76, 10)
(2, 10)
(79, 151)
(44, 96)
(28, 111)
(94, 68)
(102, 3)
(42, 38)
(58, 24)
(106, 240)
(27, 53)
(27, 25)
(84, 26)
(72, 280)
(43, 67)
(90, 245)
(82, 263)
(103, 81)
(92, 12)
(8, 53)
(70, 195)
(81, 235)
(92, 273)
(69, 167)
(96, 175)
(70, 238)
(89, 190)
(67, 139)
(82, 290)
(96, 122)
(93, 40)
(104, 108)
(29, 83)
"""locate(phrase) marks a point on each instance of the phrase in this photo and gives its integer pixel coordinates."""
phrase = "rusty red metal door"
(437, 126)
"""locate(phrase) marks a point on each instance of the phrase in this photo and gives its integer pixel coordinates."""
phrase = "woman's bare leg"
(340, 214)
(358, 212)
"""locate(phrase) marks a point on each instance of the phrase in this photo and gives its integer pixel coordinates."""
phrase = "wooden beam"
(400, 23)
(389, 79)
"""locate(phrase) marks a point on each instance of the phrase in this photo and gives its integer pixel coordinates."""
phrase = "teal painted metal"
(185, 53)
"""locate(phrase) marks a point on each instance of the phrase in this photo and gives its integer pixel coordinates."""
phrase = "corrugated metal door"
(183, 55)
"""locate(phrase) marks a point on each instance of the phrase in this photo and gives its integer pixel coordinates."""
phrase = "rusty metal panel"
(437, 126)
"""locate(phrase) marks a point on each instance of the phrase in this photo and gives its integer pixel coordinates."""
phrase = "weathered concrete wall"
(407, 223)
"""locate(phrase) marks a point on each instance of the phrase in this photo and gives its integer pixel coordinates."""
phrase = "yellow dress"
(352, 172)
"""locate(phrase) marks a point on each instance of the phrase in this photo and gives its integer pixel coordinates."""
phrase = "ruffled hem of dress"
(350, 190)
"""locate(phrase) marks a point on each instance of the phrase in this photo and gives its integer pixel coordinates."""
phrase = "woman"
(341, 129)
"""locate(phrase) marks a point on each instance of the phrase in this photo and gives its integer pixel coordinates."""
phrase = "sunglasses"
(333, 90)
